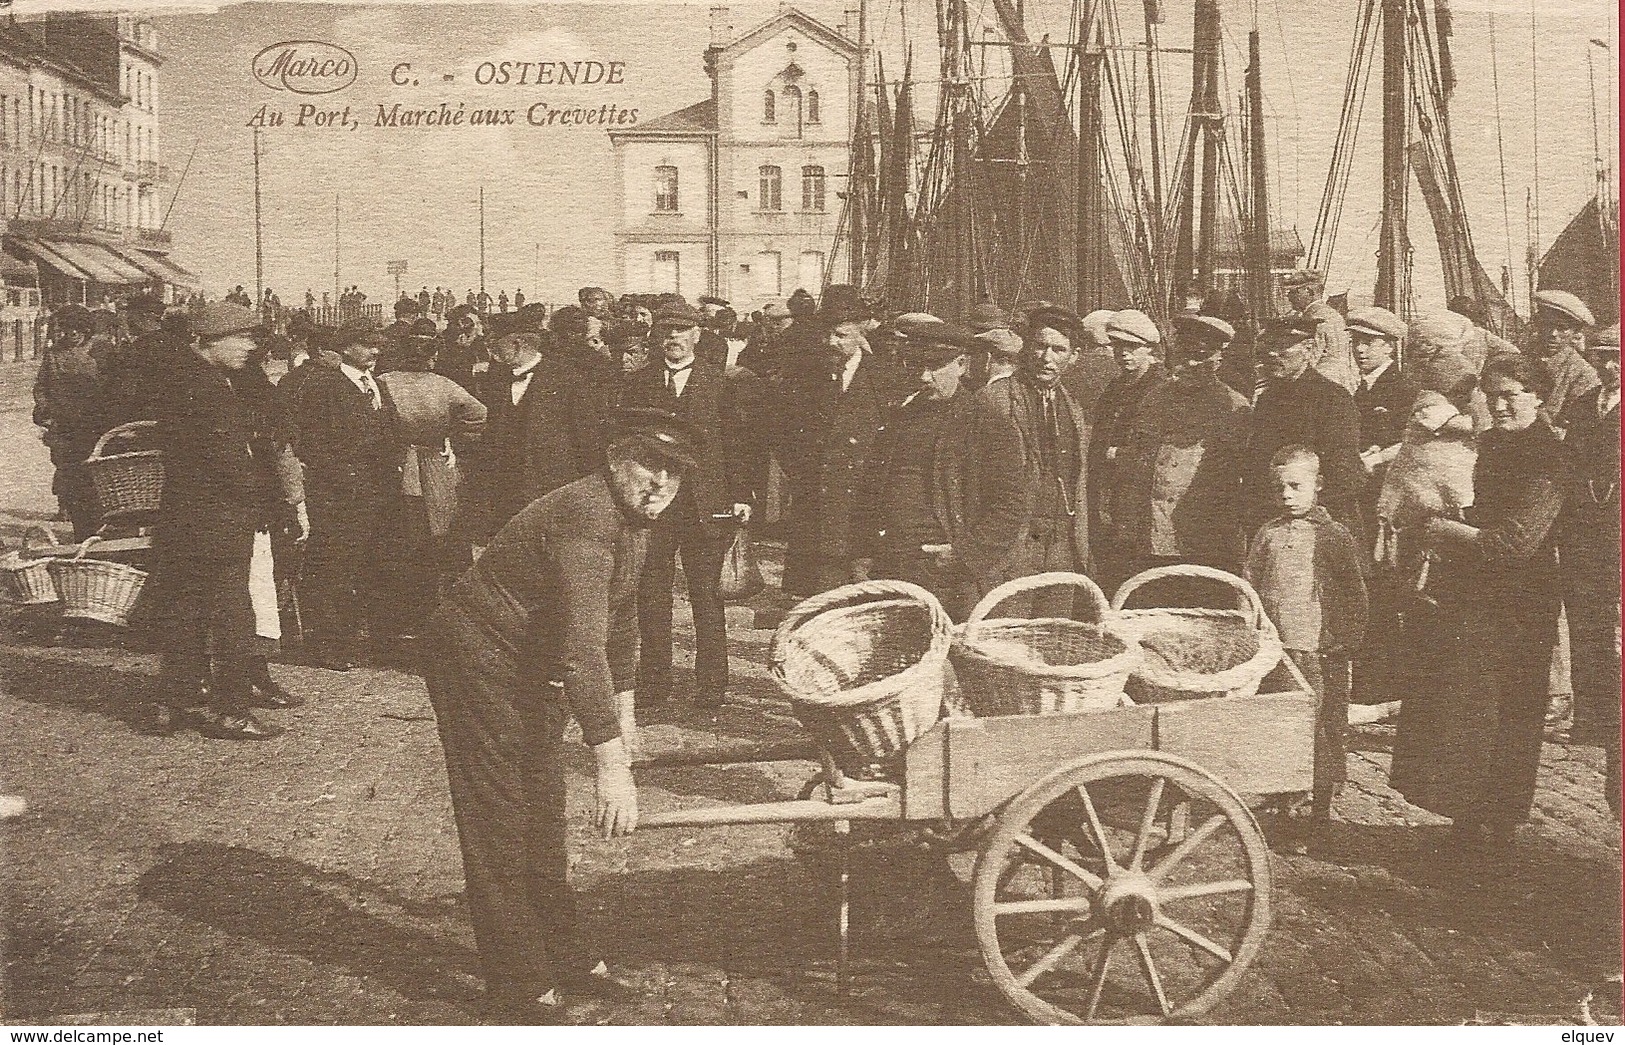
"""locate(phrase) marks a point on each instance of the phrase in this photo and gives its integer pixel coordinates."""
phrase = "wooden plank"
(796, 750)
(991, 760)
(1260, 745)
(97, 550)
(883, 808)
(925, 773)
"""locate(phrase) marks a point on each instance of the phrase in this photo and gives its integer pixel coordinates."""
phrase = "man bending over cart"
(544, 627)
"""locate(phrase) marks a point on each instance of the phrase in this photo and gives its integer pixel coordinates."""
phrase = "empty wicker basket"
(863, 666)
(130, 481)
(26, 580)
(1042, 665)
(1190, 653)
(95, 589)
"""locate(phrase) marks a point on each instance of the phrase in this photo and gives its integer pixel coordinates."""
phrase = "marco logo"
(305, 67)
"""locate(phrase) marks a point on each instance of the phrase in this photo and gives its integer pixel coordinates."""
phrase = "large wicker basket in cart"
(97, 589)
(864, 667)
(1194, 652)
(1042, 665)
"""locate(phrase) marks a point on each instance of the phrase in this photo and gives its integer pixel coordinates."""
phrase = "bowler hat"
(1287, 330)
(661, 432)
(1378, 322)
(222, 319)
(74, 317)
(357, 333)
(1561, 303)
(423, 328)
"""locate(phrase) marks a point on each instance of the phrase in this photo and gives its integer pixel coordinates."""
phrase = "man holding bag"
(716, 497)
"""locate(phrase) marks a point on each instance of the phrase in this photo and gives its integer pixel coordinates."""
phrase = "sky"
(412, 193)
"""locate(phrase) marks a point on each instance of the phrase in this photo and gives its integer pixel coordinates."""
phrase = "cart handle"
(1054, 579)
(85, 547)
(128, 431)
(1247, 598)
(854, 595)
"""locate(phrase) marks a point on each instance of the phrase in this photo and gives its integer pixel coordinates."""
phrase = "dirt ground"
(316, 878)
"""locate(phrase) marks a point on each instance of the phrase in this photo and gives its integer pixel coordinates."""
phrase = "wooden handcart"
(1120, 875)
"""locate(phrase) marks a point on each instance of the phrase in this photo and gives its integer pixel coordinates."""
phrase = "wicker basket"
(1044, 665)
(127, 482)
(95, 589)
(863, 666)
(1191, 653)
(26, 580)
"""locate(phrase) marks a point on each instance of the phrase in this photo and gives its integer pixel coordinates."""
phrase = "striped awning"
(175, 274)
(101, 263)
(142, 261)
(44, 254)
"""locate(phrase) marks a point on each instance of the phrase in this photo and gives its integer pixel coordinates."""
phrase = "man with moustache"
(716, 497)
(540, 630)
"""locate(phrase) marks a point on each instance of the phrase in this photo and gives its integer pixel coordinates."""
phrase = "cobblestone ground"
(316, 879)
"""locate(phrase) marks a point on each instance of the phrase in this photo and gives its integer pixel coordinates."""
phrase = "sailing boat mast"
(1089, 247)
(1207, 50)
(1393, 278)
(1261, 293)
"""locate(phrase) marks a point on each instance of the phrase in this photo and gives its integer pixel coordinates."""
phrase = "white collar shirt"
(1367, 380)
(677, 378)
(364, 381)
(849, 369)
(521, 381)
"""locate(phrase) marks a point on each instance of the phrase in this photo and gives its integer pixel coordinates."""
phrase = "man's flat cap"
(987, 316)
(1002, 342)
(1303, 278)
(661, 432)
(921, 337)
(677, 314)
(1204, 330)
(775, 310)
(1378, 322)
(1562, 303)
(1133, 327)
(1094, 324)
(222, 318)
(1045, 314)
(1287, 330)
(710, 300)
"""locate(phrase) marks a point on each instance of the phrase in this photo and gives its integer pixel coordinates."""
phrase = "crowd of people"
(1416, 503)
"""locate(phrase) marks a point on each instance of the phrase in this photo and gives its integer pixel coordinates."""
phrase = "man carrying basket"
(543, 627)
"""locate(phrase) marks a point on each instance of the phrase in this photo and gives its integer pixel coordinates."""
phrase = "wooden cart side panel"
(1259, 745)
(989, 760)
(925, 774)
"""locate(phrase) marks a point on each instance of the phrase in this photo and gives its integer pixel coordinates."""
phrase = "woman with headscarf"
(1470, 728)
(430, 413)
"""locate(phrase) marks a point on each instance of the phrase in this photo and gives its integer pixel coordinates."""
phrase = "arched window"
(770, 184)
(812, 106)
(792, 104)
(812, 188)
(666, 189)
(770, 105)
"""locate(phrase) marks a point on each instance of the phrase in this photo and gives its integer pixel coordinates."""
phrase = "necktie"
(671, 377)
(369, 386)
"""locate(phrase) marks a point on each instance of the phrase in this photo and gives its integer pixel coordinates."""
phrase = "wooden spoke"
(1194, 938)
(1096, 827)
(1099, 983)
(1149, 967)
(1144, 837)
(1057, 904)
(1167, 864)
(1185, 892)
(1054, 957)
(1033, 845)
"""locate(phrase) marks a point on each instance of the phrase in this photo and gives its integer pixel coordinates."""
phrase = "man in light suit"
(716, 496)
(1024, 488)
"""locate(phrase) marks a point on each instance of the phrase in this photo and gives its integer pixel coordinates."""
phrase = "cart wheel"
(1094, 903)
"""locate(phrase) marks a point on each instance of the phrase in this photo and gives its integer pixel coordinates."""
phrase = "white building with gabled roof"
(740, 195)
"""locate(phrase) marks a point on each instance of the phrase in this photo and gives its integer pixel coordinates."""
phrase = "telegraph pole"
(482, 239)
(259, 249)
(335, 250)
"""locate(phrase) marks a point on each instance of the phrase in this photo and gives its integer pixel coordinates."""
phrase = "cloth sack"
(741, 574)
